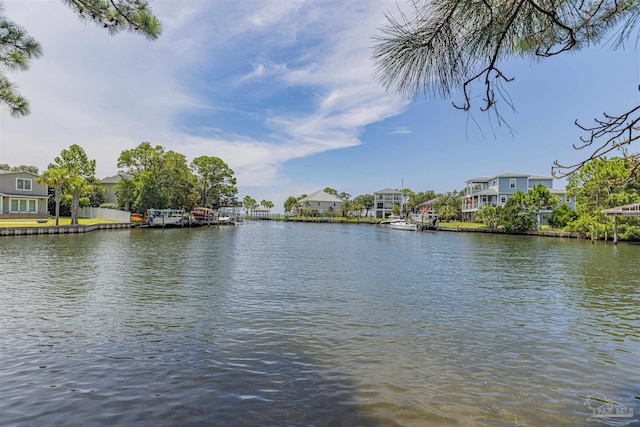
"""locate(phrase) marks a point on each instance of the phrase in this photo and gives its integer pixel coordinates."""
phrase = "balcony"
(475, 206)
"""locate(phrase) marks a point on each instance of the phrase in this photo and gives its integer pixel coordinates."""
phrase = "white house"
(384, 200)
(320, 202)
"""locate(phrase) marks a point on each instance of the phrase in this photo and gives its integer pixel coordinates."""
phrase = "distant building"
(109, 183)
(496, 190)
(426, 208)
(384, 200)
(320, 202)
(21, 196)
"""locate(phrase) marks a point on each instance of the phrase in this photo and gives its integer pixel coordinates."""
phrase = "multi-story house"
(384, 200)
(320, 202)
(21, 196)
(496, 190)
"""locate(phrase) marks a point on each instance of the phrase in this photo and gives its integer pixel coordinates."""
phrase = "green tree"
(367, 200)
(423, 196)
(249, 204)
(489, 216)
(347, 207)
(155, 179)
(448, 205)
(601, 184)
(97, 193)
(142, 167)
(290, 204)
(357, 206)
(54, 177)
(268, 204)
(331, 191)
(178, 182)
(445, 47)
(539, 199)
(395, 210)
(78, 170)
(216, 180)
(18, 48)
(514, 216)
(561, 216)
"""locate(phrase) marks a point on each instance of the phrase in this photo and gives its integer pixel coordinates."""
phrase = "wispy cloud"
(400, 131)
(298, 70)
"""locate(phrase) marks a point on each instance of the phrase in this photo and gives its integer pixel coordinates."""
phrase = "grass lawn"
(51, 222)
(461, 224)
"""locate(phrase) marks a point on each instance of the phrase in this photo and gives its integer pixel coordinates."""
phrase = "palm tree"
(54, 177)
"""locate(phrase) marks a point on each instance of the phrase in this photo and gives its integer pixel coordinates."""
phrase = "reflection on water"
(314, 324)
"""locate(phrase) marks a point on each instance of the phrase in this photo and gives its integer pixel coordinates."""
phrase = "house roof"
(321, 196)
(6, 172)
(428, 202)
(487, 192)
(478, 180)
(111, 179)
(508, 175)
(115, 178)
(388, 191)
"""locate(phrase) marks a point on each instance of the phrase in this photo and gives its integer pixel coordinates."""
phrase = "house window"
(512, 183)
(23, 184)
(503, 199)
(22, 205)
(567, 199)
(493, 183)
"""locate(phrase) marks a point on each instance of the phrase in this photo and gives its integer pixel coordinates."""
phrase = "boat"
(137, 217)
(210, 216)
(165, 217)
(403, 225)
(202, 214)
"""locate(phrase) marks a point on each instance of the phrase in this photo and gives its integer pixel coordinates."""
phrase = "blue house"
(496, 190)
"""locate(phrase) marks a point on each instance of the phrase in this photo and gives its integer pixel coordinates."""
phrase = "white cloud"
(403, 130)
(108, 94)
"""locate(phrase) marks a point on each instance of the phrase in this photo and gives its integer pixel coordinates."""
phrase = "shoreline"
(62, 229)
(85, 228)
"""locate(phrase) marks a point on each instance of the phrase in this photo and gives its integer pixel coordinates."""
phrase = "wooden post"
(615, 230)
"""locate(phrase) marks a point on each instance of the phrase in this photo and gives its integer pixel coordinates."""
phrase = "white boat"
(403, 225)
(165, 217)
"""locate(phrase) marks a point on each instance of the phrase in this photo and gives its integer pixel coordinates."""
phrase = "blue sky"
(283, 92)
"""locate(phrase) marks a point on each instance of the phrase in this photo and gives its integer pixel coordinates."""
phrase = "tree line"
(149, 177)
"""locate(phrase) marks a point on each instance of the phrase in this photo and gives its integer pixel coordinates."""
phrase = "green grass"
(461, 224)
(52, 222)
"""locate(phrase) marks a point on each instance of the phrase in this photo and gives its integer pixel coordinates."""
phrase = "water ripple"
(314, 325)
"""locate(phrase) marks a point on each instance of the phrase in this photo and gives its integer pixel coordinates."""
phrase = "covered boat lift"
(625, 210)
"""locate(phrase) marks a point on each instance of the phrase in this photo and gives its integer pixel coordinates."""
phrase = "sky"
(283, 92)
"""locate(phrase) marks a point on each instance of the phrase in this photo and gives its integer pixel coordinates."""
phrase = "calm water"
(281, 324)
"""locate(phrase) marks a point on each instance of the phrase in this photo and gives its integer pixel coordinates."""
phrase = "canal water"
(287, 324)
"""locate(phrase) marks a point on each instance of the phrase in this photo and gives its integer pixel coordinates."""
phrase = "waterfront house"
(320, 202)
(384, 200)
(426, 208)
(109, 183)
(21, 196)
(495, 191)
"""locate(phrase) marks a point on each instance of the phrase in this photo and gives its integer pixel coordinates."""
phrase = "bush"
(110, 206)
(562, 216)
